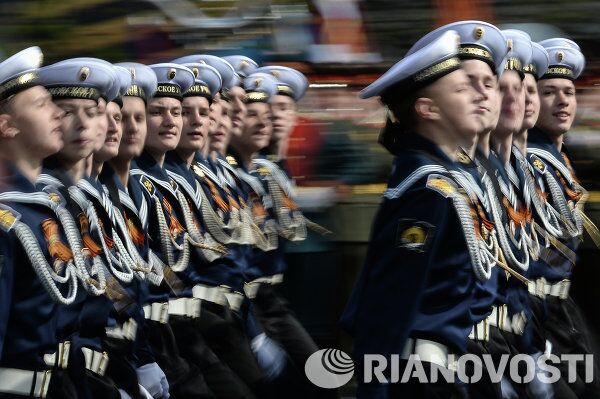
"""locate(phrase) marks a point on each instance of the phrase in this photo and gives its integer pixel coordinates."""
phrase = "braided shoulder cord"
(126, 273)
(194, 236)
(168, 242)
(52, 201)
(481, 258)
(501, 231)
(44, 270)
(543, 209)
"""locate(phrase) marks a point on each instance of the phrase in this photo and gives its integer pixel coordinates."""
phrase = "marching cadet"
(243, 67)
(513, 218)
(533, 71)
(217, 280)
(229, 219)
(483, 54)
(170, 242)
(436, 283)
(102, 123)
(127, 196)
(219, 186)
(76, 85)
(120, 340)
(291, 87)
(255, 135)
(273, 310)
(38, 275)
(560, 203)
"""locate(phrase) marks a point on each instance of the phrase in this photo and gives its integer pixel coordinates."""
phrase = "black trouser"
(222, 381)
(562, 323)
(224, 334)
(185, 379)
(413, 388)
(89, 385)
(282, 325)
(120, 369)
(495, 346)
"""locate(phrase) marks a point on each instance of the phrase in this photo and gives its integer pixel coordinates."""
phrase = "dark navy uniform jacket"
(560, 267)
(229, 189)
(489, 292)
(514, 292)
(227, 270)
(262, 263)
(28, 314)
(84, 321)
(138, 289)
(417, 279)
(164, 191)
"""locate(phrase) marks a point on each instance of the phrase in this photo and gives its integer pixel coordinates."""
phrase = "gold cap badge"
(478, 32)
(84, 73)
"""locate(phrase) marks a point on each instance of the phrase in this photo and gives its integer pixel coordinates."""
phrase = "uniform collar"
(148, 164)
(416, 142)
(176, 164)
(535, 135)
(109, 174)
(232, 153)
(12, 179)
(538, 138)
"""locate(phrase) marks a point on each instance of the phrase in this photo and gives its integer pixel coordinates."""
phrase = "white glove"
(124, 395)
(270, 357)
(145, 393)
(153, 379)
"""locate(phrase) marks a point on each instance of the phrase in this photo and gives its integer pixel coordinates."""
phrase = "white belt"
(60, 358)
(541, 288)
(211, 294)
(95, 361)
(157, 311)
(499, 318)
(188, 307)
(126, 331)
(235, 300)
(251, 288)
(481, 331)
(25, 382)
(428, 351)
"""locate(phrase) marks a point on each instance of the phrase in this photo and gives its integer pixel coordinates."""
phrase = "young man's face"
(114, 132)
(80, 128)
(164, 121)
(215, 114)
(38, 121)
(196, 121)
(102, 124)
(558, 105)
(257, 128)
(485, 82)
(513, 102)
(238, 109)
(220, 136)
(134, 127)
(283, 109)
(457, 104)
(532, 102)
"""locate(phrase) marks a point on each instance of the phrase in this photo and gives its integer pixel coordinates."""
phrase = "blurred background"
(341, 45)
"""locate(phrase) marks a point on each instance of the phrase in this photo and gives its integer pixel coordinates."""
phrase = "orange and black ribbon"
(57, 249)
